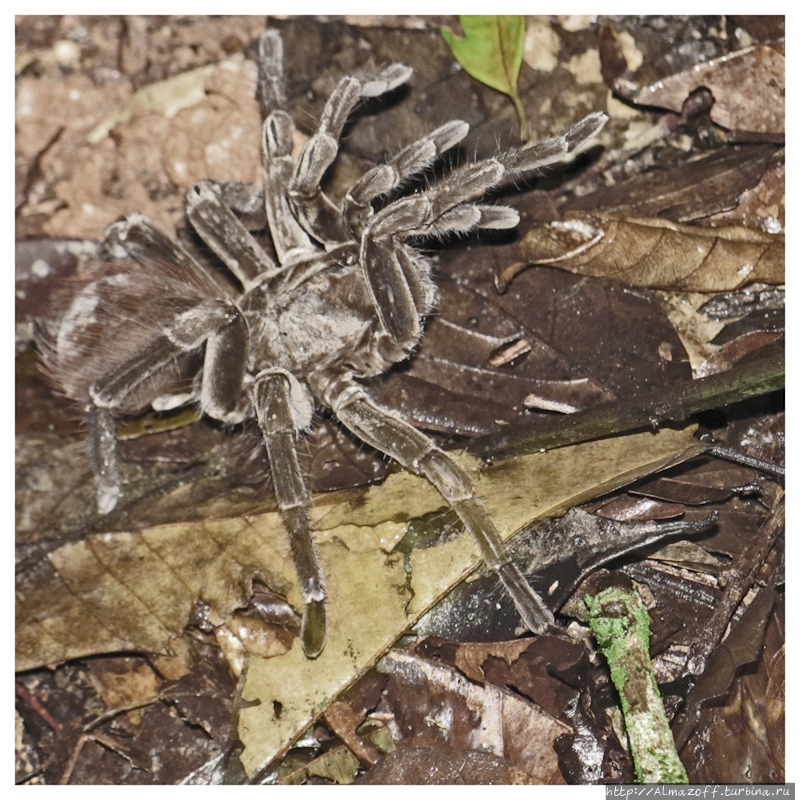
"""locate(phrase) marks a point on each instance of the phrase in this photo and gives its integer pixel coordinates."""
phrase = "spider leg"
(400, 290)
(245, 201)
(412, 449)
(432, 211)
(279, 418)
(218, 324)
(288, 237)
(380, 180)
(222, 231)
(447, 206)
(137, 237)
(315, 212)
(103, 453)
(271, 92)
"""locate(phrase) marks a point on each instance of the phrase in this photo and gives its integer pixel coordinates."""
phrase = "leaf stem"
(524, 125)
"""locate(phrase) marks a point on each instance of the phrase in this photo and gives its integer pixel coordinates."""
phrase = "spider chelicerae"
(345, 301)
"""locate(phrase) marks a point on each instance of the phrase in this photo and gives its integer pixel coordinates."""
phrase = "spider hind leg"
(217, 324)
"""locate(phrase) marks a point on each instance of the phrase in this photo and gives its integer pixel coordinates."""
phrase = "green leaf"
(491, 52)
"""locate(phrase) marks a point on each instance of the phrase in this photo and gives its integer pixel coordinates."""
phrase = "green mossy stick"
(621, 625)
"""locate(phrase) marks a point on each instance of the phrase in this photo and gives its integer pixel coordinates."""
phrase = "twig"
(621, 625)
(22, 692)
(746, 460)
(673, 403)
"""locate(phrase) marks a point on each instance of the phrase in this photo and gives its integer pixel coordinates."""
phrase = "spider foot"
(535, 615)
(313, 631)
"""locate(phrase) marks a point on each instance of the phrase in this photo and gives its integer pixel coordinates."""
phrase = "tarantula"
(345, 301)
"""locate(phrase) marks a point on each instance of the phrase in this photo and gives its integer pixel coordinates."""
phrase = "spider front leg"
(399, 440)
(447, 206)
(217, 324)
(282, 408)
(315, 212)
(396, 277)
(411, 161)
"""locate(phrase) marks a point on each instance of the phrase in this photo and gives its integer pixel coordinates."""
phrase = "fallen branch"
(674, 403)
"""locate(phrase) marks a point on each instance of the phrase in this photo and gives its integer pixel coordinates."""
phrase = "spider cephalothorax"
(345, 301)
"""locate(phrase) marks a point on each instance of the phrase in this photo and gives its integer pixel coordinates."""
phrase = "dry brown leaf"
(749, 88)
(441, 703)
(419, 763)
(655, 252)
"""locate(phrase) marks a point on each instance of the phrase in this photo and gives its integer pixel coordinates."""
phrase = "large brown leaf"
(657, 253)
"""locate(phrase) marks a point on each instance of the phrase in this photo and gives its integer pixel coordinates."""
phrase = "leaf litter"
(689, 172)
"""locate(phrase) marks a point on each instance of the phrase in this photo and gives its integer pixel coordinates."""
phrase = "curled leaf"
(491, 52)
(749, 88)
(655, 252)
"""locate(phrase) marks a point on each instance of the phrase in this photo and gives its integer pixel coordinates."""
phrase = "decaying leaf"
(440, 703)
(748, 86)
(420, 763)
(695, 187)
(491, 51)
(655, 252)
(592, 753)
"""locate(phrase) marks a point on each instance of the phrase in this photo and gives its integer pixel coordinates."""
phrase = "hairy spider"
(345, 301)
